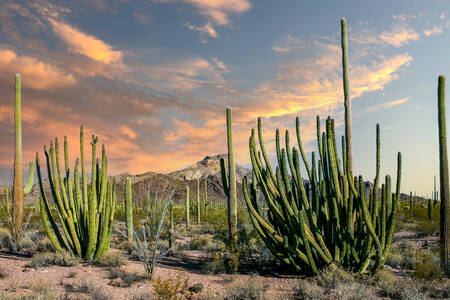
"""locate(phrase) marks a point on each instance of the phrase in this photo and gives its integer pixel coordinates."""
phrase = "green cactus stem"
(197, 184)
(444, 179)
(84, 228)
(129, 209)
(186, 207)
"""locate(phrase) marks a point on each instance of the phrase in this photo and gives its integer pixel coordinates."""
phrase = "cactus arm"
(129, 209)
(92, 228)
(30, 180)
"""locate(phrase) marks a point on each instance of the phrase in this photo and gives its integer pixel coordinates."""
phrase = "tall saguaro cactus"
(229, 183)
(205, 196)
(347, 100)
(84, 227)
(444, 179)
(197, 182)
(129, 209)
(186, 206)
(18, 189)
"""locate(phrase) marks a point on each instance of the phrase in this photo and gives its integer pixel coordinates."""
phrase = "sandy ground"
(21, 280)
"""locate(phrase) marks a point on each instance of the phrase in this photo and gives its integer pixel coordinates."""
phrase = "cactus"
(84, 227)
(197, 182)
(18, 190)
(444, 179)
(435, 196)
(205, 196)
(229, 183)
(410, 200)
(129, 209)
(171, 227)
(338, 223)
(186, 206)
(347, 100)
(429, 207)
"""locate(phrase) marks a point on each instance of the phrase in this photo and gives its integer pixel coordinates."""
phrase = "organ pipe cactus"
(186, 206)
(84, 226)
(335, 221)
(339, 223)
(18, 190)
(229, 183)
(444, 179)
(129, 209)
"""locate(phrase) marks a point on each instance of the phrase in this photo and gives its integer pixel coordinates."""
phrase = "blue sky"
(153, 78)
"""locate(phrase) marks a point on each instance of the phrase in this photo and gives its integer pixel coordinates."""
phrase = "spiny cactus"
(410, 200)
(435, 196)
(18, 190)
(339, 223)
(444, 179)
(332, 222)
(229, 183)
(199, 212)
(205, 196)
(186, 207)
(129, 209)
(84, 227)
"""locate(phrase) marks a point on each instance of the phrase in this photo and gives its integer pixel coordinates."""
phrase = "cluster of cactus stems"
(85, 218)
(444, 179)
(229, 183)
(18, 190)
(129, 209)
(332, 220)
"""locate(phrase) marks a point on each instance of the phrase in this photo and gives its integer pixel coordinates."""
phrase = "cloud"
(218, 11)
(85, 44)
(399, 36)
(387, 105)
(35, 73)
(434, 30)
(207, 29)
(287, 44)
(142, 18)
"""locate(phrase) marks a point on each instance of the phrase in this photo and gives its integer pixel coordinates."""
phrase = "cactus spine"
(129, 209)
(18, 190)
(444, 179)
(229, 183)
(84, 228)
(186, 206)
(197, 184)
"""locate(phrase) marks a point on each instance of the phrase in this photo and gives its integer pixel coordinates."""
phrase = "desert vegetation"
(270, 234)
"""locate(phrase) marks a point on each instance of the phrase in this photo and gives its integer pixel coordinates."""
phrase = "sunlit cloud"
(387, 105)
(35, 73)
(85, 44)
(287, 44)
(207, 29)
(218, 11)
(399, 36)
(434, 31)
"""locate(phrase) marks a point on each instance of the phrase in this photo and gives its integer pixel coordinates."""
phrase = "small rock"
(117, 282)
(196, 288)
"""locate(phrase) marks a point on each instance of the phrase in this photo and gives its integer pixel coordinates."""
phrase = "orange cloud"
(399, 36)
(435, 30)
(85, 44)
(35, 74)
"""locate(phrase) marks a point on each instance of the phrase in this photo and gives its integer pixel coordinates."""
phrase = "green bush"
(63, 259)
(111, 259)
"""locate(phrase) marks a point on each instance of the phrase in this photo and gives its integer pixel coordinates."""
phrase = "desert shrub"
(144, 296)
(63, 259)
(427, 267)
(2, 273)
(216, 265)
(389, 286)
(353, 291)
(128, 278)
(89, 288)
(171, 288)
(44, 245)
(251, 289)
(198, 242)
(307, 289)
(111, 259)
(439, 288)
(331, 276)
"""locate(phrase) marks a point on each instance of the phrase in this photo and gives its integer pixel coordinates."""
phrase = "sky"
(153, 78)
